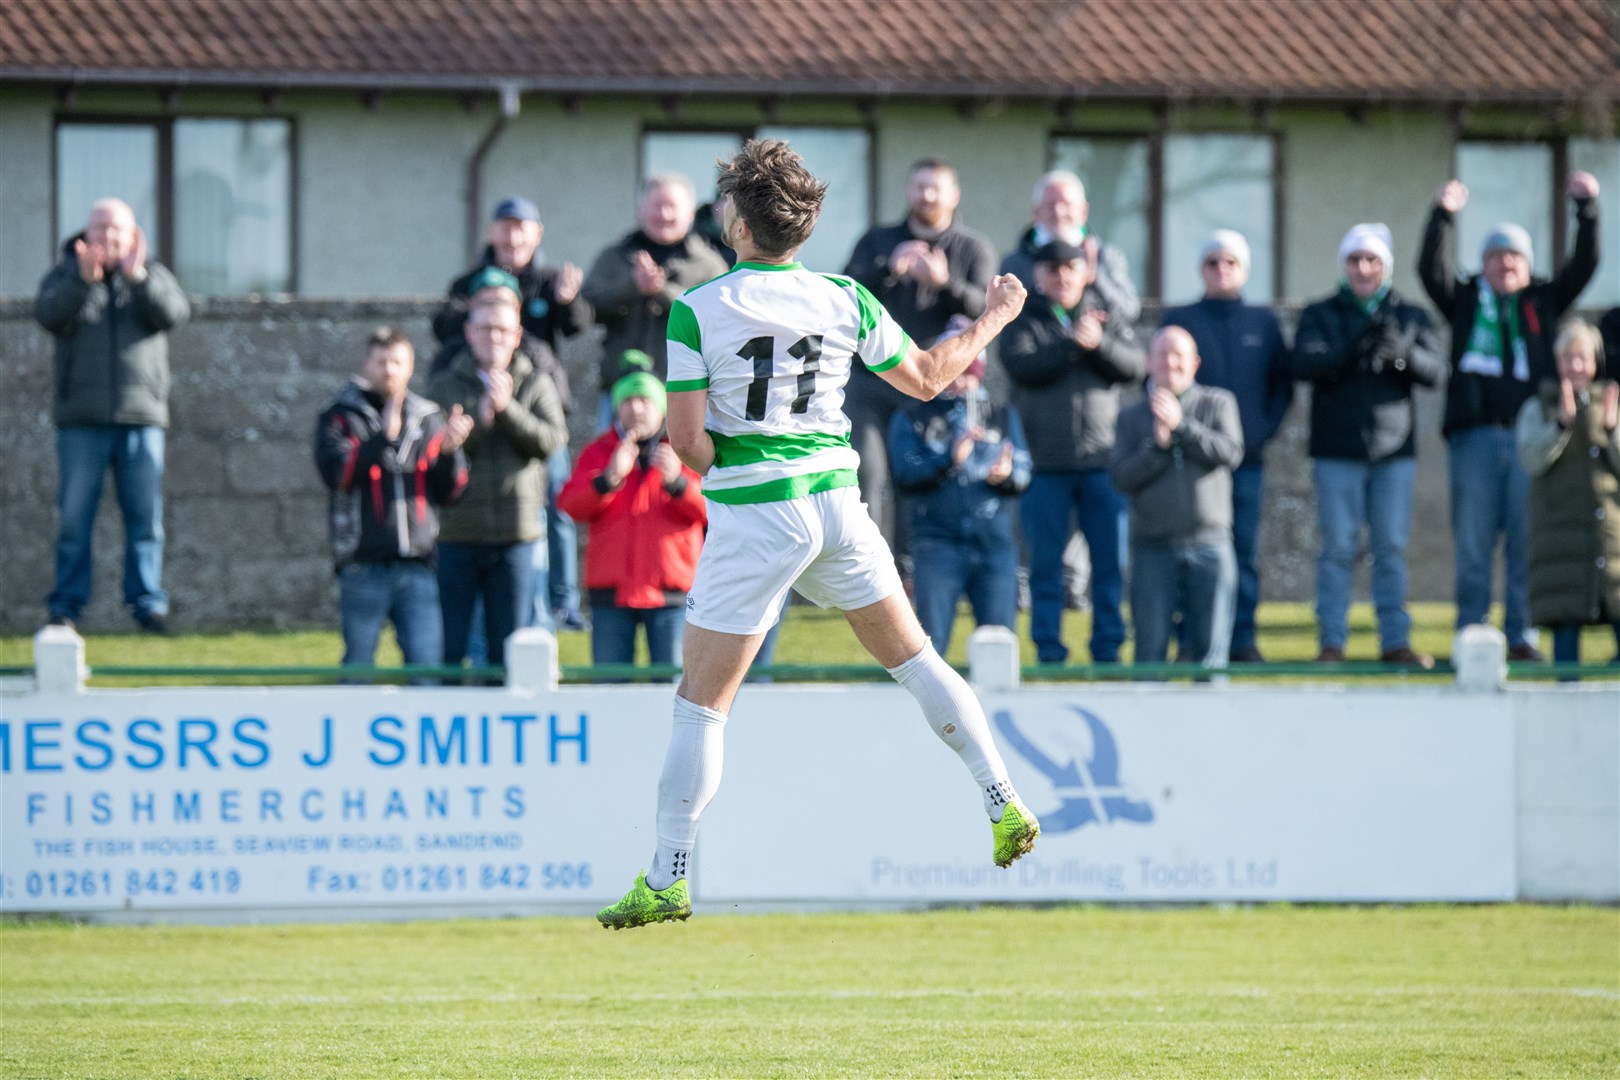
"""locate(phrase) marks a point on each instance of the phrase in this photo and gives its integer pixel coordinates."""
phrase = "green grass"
(1074, 991)
(810, 635)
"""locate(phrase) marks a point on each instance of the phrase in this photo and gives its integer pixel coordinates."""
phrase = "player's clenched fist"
(1006, 294)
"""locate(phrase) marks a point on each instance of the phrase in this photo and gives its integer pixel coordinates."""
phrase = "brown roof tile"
(1340, 49)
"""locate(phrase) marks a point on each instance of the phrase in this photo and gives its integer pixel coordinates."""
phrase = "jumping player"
(758, 360)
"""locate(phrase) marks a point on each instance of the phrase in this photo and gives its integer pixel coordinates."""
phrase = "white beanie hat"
(1228, 240)
(1373, 238)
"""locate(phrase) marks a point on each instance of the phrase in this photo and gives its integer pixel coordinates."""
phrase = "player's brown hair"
(774, 193)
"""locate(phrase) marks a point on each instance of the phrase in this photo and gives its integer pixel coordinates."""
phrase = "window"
(839, 156)
(214, 195)
(1527, 183)
(1202, 182)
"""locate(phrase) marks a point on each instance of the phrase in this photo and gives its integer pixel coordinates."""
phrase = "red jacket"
(644, 539)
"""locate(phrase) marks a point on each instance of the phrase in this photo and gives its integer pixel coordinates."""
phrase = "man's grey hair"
(670, 180)
(112, 206)
(1056, 176)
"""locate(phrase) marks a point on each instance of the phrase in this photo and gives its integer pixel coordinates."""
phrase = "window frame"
(1557, 189)
(163, 244)
(1153, 273)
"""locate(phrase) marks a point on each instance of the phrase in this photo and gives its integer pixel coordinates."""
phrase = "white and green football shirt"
(774, 345)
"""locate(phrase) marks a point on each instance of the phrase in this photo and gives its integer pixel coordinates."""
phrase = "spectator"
(1174, 457)
(486, 540)
(1609, 330)
(646, 516)
(389, 458)
(923, 271)
(1364, 349)
(963, 462)
(1241, 349)
(552, 308)
(1569, 443)
(1502, 324)
(1067, 357)
(110, 308)
(1061, 213)
(633, 283)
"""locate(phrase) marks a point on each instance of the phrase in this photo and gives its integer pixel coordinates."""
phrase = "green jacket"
(112, 343)
(1574, 510)
(506, 487)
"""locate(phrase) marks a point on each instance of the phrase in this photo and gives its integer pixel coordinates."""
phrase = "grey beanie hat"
(1508, 237)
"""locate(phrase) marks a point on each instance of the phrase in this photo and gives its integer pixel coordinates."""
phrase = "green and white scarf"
(1484, 353)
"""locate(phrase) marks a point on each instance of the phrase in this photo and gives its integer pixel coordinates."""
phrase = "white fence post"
(1479, 655)
(993, 659)
(531, 660)
(59, 661)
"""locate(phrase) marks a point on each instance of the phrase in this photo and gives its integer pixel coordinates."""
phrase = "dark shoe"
(157, 625)
(569, 620)
(1249, 655)
(1526, 654)
(1330, 654)
(1406, 656)
(62, 620)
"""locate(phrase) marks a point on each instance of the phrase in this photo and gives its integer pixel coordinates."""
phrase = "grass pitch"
(1075, 991)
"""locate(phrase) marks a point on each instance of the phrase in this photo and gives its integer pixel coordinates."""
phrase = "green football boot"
(1014, 834)
(641, 905)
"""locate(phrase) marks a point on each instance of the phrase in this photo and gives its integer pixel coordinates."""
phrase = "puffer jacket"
(1068, 396)
(1574, 510)
(1362, 369)
(645, 535)
(506, 488)
(112, 342)
(385, 491)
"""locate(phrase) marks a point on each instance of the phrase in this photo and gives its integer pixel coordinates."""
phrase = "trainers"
(1014, 834)
(641, 906)
(1406, 656)
(1249, 654)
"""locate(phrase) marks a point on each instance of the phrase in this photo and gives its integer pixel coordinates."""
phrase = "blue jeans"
(502, 576)
(1490, 497)
(1567, 643)
(1196, 581)
(562, 544)
(1348, 494)
(136, 456)
(371, 593)
(613, 634)
(1048, 509)
(1248, 491)
(986, 570)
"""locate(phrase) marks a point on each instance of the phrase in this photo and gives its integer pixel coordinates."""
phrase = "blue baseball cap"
(516, 206)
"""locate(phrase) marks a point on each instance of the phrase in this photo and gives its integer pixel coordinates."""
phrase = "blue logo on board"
(1087, 791)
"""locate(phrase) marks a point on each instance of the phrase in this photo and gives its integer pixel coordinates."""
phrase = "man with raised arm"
(758, 361)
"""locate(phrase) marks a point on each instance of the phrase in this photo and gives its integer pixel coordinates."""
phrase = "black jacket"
(1362, 369)
(385, 491)
(1473, 400)
(1068, 396)
(1114, 286)
(112, 342)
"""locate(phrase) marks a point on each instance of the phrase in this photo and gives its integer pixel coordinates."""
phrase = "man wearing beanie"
(1363, 349)
(1502, 325)
(645, 513)
(1241, 350)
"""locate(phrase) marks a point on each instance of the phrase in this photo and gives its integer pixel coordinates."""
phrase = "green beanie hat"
(493, 277)
(640, 384)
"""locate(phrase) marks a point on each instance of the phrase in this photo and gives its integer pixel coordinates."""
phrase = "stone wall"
(245, 513)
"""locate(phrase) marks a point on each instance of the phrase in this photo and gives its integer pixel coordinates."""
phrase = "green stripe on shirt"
(730, 450)
(905, 347)
(675, 386)
(683, 327)
(791, 487)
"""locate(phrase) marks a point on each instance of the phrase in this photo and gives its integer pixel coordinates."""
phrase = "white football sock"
(956, 716)
(690, 778)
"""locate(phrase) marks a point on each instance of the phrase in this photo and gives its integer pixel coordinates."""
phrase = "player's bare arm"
(687, 436)
(926, 372)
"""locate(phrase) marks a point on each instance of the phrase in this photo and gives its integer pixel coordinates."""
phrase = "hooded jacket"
(507, 486)
(384, 492)
(112, 342)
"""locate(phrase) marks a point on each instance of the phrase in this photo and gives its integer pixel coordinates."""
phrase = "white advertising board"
(1144, 794)
(325, 797)
(235, 799)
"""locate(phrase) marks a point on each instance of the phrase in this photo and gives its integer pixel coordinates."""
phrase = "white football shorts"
(825, 545)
